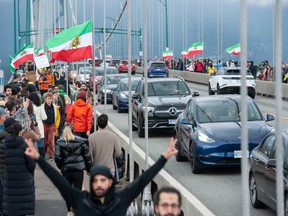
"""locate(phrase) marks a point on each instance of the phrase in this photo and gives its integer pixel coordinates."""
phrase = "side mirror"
(135, 95)
(195, 94)
(271, 163)
(187, 121)
(270, 117)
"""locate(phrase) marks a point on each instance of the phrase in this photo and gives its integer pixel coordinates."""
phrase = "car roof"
(161, 79)
(124, 75)
(212, 98)
(156, 62)
(132, 78)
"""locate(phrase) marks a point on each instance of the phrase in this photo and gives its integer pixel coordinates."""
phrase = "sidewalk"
(48, 199)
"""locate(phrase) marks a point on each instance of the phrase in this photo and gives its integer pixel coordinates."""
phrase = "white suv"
(228, 80)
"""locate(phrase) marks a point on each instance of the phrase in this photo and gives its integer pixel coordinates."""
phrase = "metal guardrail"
(265, 88)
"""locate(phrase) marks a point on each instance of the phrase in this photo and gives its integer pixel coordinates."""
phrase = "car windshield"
(225, 111)
(100, 71)
(158, 65)
(82, 71)
(124, 62)
(235, 72)
(167, 88)
(124, 85)
(112, 79)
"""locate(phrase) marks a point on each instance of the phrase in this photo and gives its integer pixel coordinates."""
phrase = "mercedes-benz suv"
(167, 98)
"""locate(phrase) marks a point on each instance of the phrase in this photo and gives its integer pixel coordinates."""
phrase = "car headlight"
(107, 90)
(122, 95)
(150, 110)
(204, 138)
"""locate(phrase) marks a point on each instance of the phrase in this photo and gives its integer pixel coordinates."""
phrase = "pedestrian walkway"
(48, 199)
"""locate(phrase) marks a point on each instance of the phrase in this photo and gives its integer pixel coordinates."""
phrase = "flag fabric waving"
(167, 54)
(39, 52)
(24, 55)
(73, 44)
(195, 48)
(184, 53)
(12, 67)
(235, 49)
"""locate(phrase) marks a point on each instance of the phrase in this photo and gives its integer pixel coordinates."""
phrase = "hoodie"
(80, 113)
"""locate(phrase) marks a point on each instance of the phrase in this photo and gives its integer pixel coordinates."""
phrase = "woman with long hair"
(72, 156)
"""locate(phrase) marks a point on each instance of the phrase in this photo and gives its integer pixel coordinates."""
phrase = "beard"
(100, 192)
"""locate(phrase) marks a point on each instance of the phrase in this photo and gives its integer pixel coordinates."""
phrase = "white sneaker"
(70, 213)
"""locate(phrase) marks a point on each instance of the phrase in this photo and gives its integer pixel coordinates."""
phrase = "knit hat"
(2, 111)
(100, 170)
(9, 121)
(82, 95)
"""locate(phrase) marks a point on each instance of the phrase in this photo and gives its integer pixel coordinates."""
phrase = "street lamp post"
(165, 4)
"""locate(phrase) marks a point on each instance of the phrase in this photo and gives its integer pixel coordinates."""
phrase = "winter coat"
(40, 116)
(73, 155)
(115, 204)
(3, 134)
(19, 188)
(80, 113)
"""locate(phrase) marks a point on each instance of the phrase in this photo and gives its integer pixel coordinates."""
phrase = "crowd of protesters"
(262, 71)
(41, 122)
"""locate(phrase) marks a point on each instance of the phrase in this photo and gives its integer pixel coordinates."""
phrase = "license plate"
(238, 154)
(172, 121)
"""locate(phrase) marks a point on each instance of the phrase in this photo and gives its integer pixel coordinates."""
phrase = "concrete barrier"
(265, 88)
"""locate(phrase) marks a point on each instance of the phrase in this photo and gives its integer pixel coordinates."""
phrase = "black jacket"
(19, 189)
(116, 203)
(73, 155)
(3, 134)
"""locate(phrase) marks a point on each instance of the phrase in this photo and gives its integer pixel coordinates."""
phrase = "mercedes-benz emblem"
(172, 111)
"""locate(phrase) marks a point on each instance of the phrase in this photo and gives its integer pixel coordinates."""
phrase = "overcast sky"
(185, 27)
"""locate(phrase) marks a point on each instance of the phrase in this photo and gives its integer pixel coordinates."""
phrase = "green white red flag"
(167, 54)
(12, 67)
(39, 51)
(24, 55)
(184, 54)
(73, 44)
(235, 49)
(195, 48)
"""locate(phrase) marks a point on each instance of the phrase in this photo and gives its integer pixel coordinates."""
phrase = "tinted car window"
(167, 88)
(100, 71)
(267, 146)
(235, 72)
(112, 80)
(124, 85)
(158, 65)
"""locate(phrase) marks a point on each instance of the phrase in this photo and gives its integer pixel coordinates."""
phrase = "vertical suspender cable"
(202, 26)
(278, 90)
(244, 128)
(93, 56)
(104, 53)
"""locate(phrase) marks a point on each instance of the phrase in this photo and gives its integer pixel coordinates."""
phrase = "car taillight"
(151, 69)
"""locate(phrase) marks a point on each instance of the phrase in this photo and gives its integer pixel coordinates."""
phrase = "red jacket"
(80, 113)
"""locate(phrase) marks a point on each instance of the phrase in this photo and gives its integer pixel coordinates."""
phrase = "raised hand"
(31, 151)
(171, 150)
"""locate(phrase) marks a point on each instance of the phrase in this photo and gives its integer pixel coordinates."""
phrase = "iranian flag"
(235, 50)
(24, 55)
(39, 52)
(73, 44)
(12, 67)
(195, 48)
(167, 54)
(108, 57)
(184, 53)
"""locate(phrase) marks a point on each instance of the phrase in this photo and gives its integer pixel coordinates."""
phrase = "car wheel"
(286, 205)
(119, 109)
(218, 90)
(133, 72)
(179, 156)
(102, 100)
(210, 92)
(194, 163)
(252, 95)
(141, 132)
(114, 107)
(253, 193)
(134, 128)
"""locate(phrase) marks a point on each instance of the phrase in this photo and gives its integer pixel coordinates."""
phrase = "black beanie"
(101, 170)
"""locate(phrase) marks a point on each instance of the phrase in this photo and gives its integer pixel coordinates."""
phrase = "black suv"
(167, 98)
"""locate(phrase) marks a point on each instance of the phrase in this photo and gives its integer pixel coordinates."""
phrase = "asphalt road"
(218, 189)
